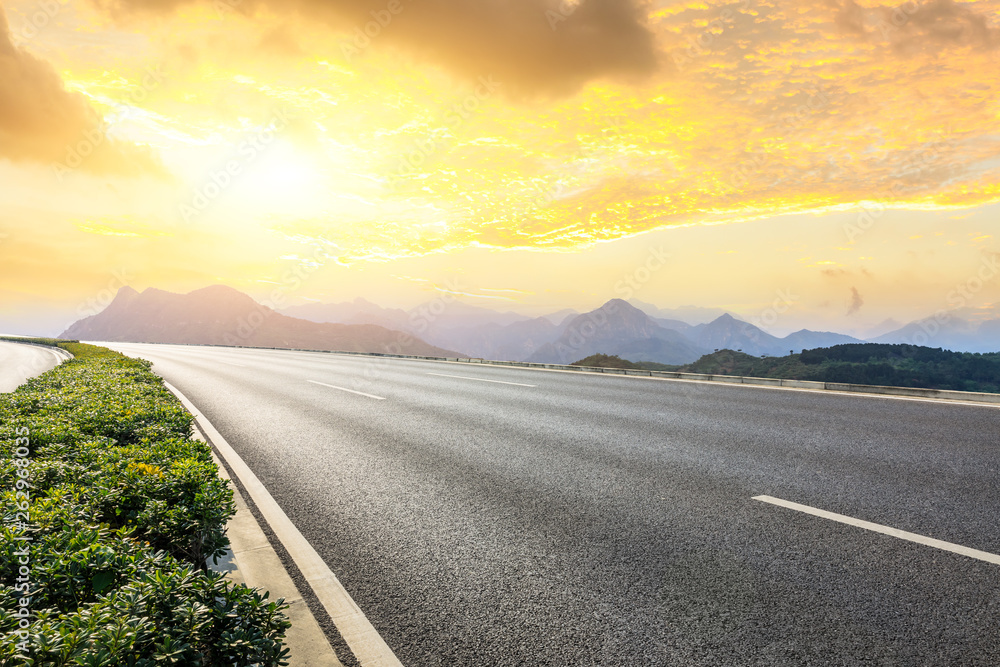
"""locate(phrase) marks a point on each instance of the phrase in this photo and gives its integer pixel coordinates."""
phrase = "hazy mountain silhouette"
(359, 311)
(221, 315)
(691, 315)
(512, 342)
(728, 333)
(618, 328)
(960, 330)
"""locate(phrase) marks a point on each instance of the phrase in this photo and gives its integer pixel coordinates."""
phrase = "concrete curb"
(910, 392)
(313, 647)
(254, 562)
(65, 354)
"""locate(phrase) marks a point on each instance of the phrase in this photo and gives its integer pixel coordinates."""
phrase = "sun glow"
(282, 178)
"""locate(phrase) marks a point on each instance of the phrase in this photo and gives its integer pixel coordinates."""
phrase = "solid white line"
(365, 642)
(360, 393)
(885, 530)
(463, 377)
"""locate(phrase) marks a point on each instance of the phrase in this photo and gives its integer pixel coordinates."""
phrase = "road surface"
(497, 516)
(20, 362)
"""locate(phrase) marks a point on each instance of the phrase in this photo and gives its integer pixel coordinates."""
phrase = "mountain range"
(960, 330)
(629, 329)
(221, 315)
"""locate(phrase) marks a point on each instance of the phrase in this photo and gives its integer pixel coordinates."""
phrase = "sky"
(828, 164)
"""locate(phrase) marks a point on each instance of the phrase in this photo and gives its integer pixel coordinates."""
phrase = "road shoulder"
(254, 562)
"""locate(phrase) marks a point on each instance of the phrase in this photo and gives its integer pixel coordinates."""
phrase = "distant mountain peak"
(221, 315)
(126, 291)
(215, 291)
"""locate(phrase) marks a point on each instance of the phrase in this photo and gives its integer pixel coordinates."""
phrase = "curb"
(253, 561)
(259, 565)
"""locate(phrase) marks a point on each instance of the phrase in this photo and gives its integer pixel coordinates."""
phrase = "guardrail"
(913, 392)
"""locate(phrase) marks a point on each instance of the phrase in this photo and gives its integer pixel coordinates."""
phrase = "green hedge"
(123, 509)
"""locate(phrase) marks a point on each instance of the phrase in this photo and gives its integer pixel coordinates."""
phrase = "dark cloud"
(531, 46)
(856, 301)
(43, 122)
(946, 21)
(851, 18)
(914, 26)
(281, 41)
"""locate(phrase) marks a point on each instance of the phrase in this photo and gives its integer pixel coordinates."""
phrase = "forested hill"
(867, 363)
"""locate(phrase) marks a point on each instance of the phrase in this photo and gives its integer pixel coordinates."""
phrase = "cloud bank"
(533, 46)
(41, 121)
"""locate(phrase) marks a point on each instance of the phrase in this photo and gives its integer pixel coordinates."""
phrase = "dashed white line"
(229, 363)
(463, 377)
(360, 393)
(885, 530)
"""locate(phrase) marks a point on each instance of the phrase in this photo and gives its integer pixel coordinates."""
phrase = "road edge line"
(254, 562)
(364, 641)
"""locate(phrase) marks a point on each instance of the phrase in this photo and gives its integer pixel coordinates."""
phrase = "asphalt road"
(601, 520)
(19, 362)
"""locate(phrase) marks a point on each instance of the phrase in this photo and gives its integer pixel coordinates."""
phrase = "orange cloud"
(41, 121)
(532, 46)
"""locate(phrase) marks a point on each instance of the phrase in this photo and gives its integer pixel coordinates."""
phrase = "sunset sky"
(531, 155)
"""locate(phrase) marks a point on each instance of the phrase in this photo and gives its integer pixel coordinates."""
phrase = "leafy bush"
(124, 509)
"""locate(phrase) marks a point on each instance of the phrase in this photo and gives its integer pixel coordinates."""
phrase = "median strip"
(885, 530)
(110, 512)
(351, 391)
(463, 377)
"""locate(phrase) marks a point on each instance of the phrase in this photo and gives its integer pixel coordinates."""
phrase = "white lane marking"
(361, 393)
(361, 636)
(229, 363)
(885, 530)
(463, 377)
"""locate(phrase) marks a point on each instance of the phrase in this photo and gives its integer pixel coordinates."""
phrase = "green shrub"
(124, 509)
